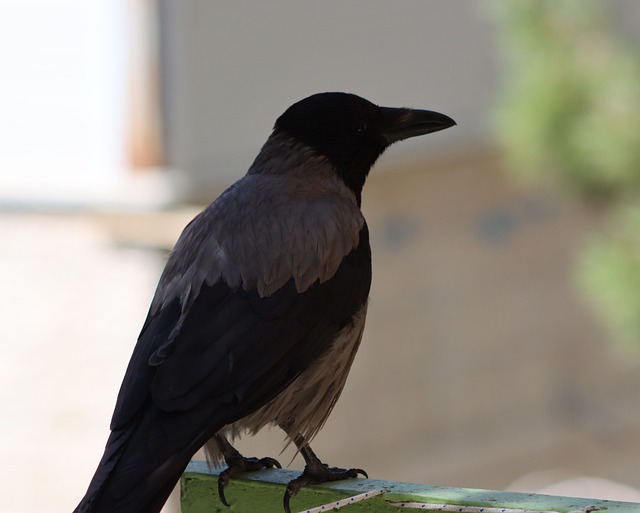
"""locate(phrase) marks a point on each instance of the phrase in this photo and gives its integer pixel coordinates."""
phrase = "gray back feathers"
(267, 228)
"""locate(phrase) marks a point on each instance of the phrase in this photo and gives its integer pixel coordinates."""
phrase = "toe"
(270, 463)
(223, 481)
(359, 471)
(285, 502)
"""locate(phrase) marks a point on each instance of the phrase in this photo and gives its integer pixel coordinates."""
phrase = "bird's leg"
(236, 464)
(315, 472)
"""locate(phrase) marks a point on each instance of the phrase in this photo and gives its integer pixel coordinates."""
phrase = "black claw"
(285, 502)
(270, 463)
(222, 483)
(294, 487)
(240, 465)
(317, 474)
(237, 464)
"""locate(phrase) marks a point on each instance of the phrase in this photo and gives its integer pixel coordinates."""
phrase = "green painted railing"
(262, 491)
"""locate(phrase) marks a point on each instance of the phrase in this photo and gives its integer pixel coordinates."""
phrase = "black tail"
(143, 461)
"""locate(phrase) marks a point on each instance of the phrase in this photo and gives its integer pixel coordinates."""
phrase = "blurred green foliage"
(610, 273)
(569, 117)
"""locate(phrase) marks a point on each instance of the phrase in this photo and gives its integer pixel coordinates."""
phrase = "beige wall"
(231, 68)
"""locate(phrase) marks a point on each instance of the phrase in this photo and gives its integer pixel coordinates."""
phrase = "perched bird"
(259, 311)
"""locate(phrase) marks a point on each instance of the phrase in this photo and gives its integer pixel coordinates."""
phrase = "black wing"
(234, 352)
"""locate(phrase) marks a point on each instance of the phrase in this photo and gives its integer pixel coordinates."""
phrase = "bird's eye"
(362, 127)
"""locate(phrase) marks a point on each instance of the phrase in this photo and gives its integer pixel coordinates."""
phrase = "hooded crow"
(259, 311)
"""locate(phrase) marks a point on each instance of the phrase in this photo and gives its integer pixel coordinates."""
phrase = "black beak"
(402, 124)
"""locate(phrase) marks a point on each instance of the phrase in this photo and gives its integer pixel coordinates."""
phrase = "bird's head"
(352, 132)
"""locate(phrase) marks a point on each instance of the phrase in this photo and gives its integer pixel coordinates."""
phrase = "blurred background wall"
(495, 356)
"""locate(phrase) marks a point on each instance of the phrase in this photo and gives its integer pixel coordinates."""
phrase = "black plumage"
(260, 309)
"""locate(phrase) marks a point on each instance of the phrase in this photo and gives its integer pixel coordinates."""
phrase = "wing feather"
(239, 319)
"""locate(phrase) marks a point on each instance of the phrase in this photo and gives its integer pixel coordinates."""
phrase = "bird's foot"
(238, 464)
(317, 472)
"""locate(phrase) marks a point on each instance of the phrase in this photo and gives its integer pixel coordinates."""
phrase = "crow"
(259, 311)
